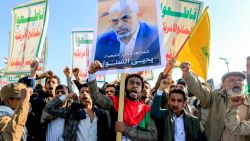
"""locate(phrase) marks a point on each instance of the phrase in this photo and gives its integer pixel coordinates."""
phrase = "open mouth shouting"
(51, 90)
(133, 93)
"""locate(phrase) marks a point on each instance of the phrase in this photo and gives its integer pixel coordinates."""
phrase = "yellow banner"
(197, 48)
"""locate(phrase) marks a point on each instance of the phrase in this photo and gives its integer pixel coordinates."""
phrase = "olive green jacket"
(217, 103)
(12, 123)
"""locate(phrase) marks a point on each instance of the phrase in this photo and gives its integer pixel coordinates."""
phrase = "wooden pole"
(121, 104)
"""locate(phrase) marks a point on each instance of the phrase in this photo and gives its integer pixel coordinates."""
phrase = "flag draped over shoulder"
(196, 49)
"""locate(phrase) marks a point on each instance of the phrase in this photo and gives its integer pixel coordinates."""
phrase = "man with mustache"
(130, 39)
(83, 120)
(137, 124)
(233, 122)
(217, 102)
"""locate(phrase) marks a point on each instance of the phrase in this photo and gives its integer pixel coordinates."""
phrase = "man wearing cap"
(233, 122)
(217, 102)
(14, 109)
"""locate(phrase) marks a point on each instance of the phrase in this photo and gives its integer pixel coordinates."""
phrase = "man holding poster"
(131, 42)
(137, 125)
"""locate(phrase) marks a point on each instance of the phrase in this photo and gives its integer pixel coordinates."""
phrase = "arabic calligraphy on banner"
(142, 50)
(42, 62)
(29, 23)
(81, 47)
(179, 18)
(4, 80)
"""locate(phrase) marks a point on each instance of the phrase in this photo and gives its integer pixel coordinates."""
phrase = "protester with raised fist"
(233, 121)
(217, 101)
(137, 124)
(14, 110)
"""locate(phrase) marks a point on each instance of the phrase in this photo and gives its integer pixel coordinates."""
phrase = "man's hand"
(120, 126)
(248, 65)
(67, 72)
(236, 101)
(76, 72)
(26, 93)
(165, 83)
(185, 67)
(169, 66)
(33, 68)
(162, 81)
(73, 96)
(94, 67)
(47, 74)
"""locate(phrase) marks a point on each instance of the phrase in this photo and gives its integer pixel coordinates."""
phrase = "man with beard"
(83, 121)
(217, 102)
(137, 124)
(176, 124)
(233, 122)
(129, 40)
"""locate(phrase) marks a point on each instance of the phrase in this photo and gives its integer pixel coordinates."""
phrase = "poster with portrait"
(128, 36)
(179, 18)
(29, 24)
(82, 42)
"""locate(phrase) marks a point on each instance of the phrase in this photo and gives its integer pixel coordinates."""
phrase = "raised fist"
(67, 72)
(185, 67)
(26, 93)
(94, 67)
(76, 72)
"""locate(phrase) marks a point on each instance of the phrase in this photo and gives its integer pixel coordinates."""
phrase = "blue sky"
(64, 15)
(230, 28)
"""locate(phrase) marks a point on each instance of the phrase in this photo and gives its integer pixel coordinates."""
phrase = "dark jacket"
(36, 129)
(73, 118)
(166, 126)
(39, 98)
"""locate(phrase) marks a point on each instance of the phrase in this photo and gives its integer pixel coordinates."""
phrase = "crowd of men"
(185, 110)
